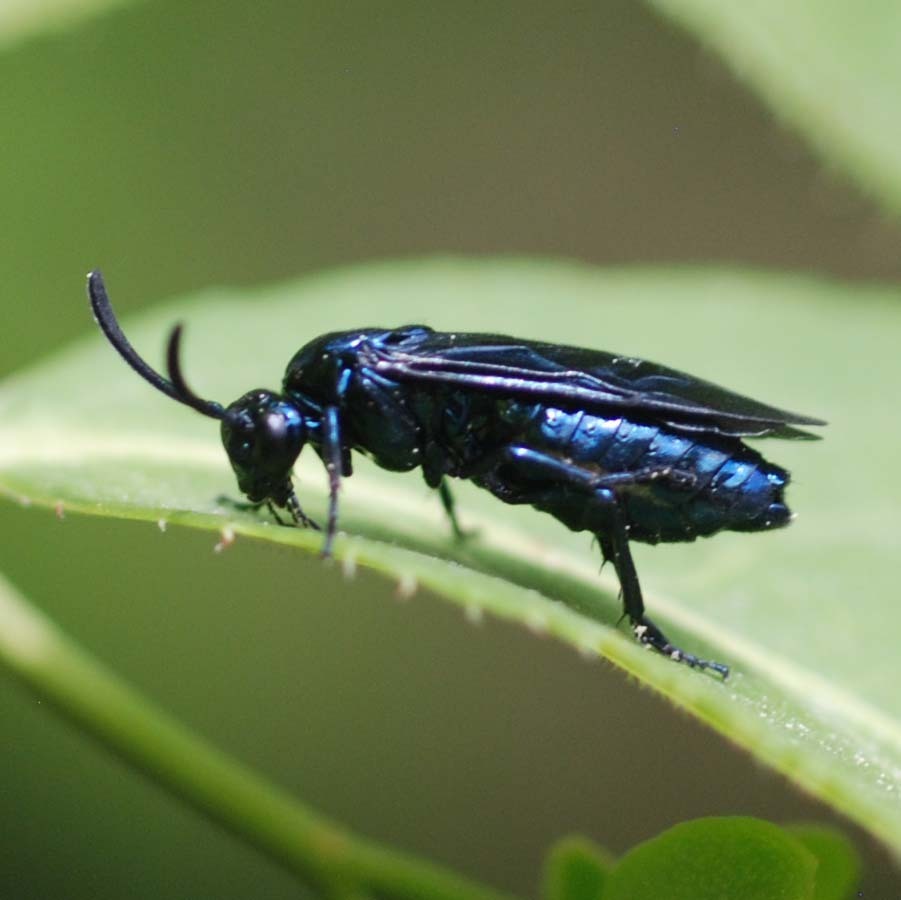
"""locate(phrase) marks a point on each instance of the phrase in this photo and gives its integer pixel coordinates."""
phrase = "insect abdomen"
(685, 486)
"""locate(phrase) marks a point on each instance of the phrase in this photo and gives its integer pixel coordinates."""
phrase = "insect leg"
(274, 513)
(614, 539)
(240, 505)
(299, 516)
(615, 547)
(539, 465)
(332, 454)
(450, 507)
(250, 506)
(676, 478)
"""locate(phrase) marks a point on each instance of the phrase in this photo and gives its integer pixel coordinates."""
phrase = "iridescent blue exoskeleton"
(620, 447)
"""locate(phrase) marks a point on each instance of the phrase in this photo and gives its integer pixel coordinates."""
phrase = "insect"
(623, 448)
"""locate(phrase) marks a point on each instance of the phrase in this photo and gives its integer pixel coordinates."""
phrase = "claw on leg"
(650, 635)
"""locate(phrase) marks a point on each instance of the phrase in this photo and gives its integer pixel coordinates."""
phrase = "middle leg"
(450, 507)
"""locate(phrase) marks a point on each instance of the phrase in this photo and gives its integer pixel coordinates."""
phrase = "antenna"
(182, 391)
(177, 388)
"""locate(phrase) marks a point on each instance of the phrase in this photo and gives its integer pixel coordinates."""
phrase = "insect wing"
(575, 378)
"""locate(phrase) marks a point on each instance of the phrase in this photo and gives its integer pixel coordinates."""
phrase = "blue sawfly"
(623, 448)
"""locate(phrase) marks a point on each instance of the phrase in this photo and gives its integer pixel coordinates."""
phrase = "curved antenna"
(106, 319)
(182, 391)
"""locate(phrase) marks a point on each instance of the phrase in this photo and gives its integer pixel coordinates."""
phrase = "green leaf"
(838, 869)
(21, 18)
(831, 69)
(805, 616)
(576, 869)
(709, 859)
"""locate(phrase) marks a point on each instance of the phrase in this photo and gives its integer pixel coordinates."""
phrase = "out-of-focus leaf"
(576, 869)
(830, 68)
(838, 865)
(712, 859)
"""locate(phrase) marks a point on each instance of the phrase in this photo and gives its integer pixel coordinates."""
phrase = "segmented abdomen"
(715, 483)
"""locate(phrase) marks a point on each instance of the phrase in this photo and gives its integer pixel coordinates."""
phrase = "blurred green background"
(179, 145)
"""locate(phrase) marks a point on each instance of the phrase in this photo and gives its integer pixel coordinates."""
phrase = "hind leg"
(615, 547)
(553, 476)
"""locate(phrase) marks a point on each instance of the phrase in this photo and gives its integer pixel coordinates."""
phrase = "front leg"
(297, 513)
(300, 518)
(599, 492)
(333, 457)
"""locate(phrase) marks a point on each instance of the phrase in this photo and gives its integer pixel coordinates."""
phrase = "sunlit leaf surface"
(21, 18)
